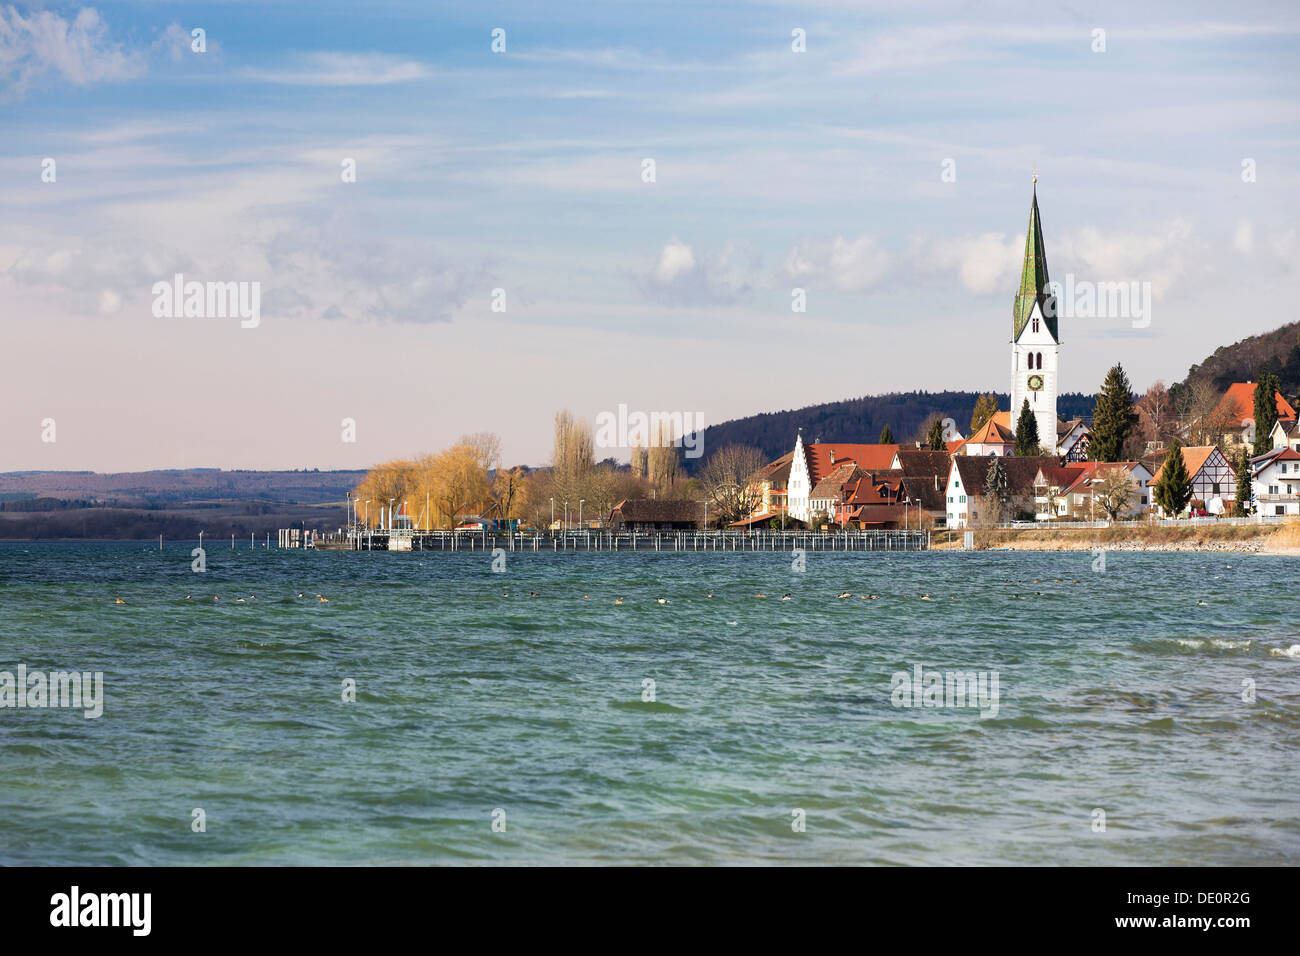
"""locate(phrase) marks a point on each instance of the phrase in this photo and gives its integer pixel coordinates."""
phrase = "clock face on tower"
(1035, 383)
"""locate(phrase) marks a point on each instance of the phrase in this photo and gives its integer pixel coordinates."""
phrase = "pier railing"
(692, 540)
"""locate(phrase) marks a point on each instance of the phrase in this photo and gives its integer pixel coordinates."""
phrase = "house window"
(963, 499)
(1214, 488)
(1279, 510)
(1035, 323)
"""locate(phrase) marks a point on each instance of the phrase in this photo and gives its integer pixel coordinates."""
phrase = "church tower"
(1035, 341)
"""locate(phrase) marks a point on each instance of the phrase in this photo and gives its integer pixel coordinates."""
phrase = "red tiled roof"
(823, 457)
(1238, 403)
(995, 431)
(1194, 457)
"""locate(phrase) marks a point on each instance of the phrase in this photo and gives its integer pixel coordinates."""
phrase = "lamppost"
(552, 516)
(566, 516)
(580, 501)
(390, 513)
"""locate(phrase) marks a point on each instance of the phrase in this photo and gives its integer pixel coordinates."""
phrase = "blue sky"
(522, 171)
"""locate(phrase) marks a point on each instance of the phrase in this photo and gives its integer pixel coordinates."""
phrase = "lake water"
(1117, 691)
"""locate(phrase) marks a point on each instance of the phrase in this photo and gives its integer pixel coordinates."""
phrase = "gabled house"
(1275, 481)
(1235, 413)
(1286, 434)
(649, 514)
(994, 437)
(812, 463)
(965, 489)
(1072, 440)
(1213, 478)
(1069, 491)
(772, 483)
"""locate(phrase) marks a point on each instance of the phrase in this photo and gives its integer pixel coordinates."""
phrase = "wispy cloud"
(327, 68)
(78, 51)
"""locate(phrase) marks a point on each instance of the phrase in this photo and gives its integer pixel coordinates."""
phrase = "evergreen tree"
(986, 406)
(1267, 386)
(935, 438)
(995, 488)
(1026, 432)
(1174, 487)
(886, 436)
(1114, 417)
(1239, 507)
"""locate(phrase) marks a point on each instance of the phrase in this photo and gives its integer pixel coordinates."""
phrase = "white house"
(813, 462)
(1275, 482)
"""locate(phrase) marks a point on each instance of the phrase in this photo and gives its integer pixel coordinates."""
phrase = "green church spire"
(1033, 277)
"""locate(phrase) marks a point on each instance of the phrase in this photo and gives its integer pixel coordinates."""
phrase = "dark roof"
(651, 509)
(924, 464)
(832, 486)
(1021, 472)
(777, 472)
(932, 498)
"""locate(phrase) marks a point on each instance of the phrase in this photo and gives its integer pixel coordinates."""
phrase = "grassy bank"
(1277, 538)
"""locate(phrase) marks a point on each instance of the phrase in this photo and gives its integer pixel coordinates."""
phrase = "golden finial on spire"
(1035, 175)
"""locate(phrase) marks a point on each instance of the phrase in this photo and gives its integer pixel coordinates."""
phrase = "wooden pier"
(362, 539)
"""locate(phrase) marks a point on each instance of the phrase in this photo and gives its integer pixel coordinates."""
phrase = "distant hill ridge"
(1277, 351)
(861, 419)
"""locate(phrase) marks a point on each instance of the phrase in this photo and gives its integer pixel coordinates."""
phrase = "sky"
(503, 251)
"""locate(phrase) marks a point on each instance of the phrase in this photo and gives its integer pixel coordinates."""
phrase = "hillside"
(861, 419)
(1277, 351)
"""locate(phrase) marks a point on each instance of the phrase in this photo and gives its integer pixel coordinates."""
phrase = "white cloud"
(675, 259)
(850, 265)
(985, 264)
(79, 50)
(681, 278)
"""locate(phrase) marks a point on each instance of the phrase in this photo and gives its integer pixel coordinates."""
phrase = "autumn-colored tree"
(572, 456)
(664, 460)
(986, 406)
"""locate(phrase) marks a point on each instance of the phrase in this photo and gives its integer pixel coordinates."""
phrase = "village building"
(994, 437)
(1275, 481)
(1035, 339)
(770, 485)
(967, 477)
(1069, 490)
(1072, 440)
(1235, 415)
(814, 462)
(1286, 434)
(649, 514)
(1214, 480)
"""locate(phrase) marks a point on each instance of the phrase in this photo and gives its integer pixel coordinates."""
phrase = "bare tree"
(664, 459)
(728, 481)
(1205, 420)
(572, 455)
(1114, 490)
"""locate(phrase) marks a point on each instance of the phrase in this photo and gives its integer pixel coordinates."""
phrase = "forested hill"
(861, 419)
(1277, 352)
